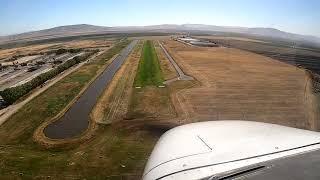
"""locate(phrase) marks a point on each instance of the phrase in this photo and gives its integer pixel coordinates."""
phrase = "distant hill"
(83, 29)
(61, 31)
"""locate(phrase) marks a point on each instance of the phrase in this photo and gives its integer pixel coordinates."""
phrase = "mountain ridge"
(82, 29)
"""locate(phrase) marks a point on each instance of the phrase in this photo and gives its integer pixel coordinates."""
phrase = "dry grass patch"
(113, 104)
(237, 84)
(24, 50)
(151, 103)
(42, 48)
(87, 44)
(234, 38)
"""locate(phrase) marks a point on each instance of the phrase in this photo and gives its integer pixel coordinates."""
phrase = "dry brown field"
(35, 49)
(239, 85)
(233, 38)
(88, 43)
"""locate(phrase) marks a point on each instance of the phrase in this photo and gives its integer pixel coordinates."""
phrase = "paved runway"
(182, 75)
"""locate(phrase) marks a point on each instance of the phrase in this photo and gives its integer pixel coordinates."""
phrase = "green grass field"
(149, 71)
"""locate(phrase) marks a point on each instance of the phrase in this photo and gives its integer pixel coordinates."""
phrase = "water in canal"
(76, 120)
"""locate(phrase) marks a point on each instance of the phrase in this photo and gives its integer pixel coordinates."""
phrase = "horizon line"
(226, 26)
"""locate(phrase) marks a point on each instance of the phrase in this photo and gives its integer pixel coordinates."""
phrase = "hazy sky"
(298, 16)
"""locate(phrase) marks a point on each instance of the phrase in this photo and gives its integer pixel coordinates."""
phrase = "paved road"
(181, 74)
(76, 119)
(12, 75)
